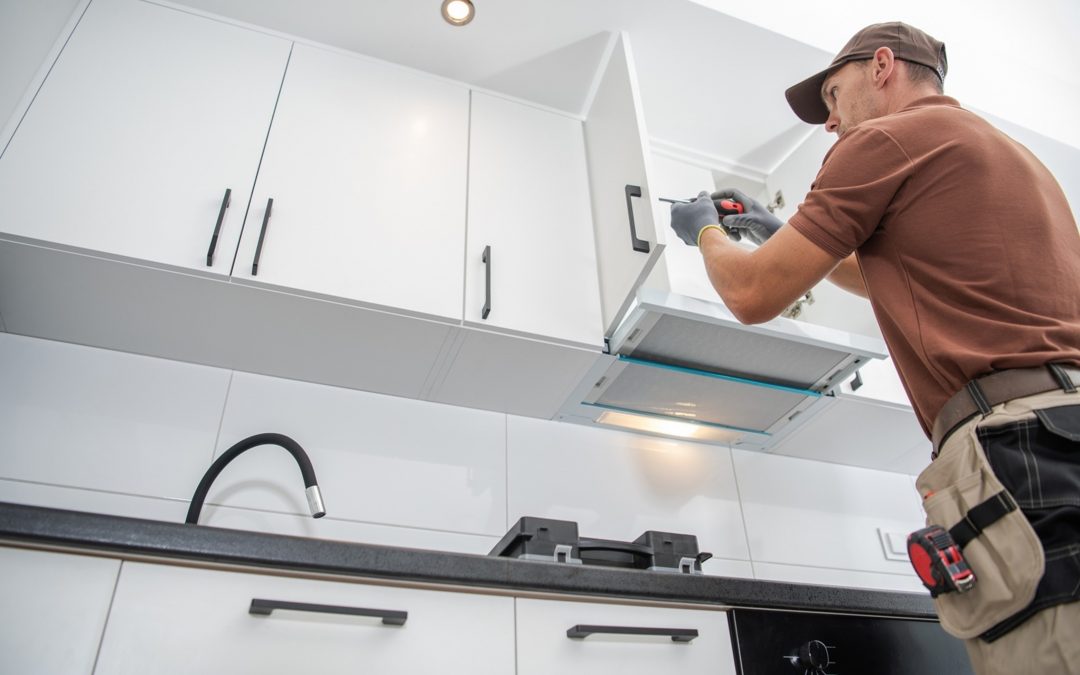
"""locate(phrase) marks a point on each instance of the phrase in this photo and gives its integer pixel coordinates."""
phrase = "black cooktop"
(551, 540)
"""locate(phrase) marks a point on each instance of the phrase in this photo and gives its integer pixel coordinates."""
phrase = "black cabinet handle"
(262, 235)
(217, 228)
(487, 283)
(638, 244)
(676, 634)
(390, 617)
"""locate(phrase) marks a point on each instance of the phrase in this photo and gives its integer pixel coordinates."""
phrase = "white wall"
(28, 31)
(107, 432)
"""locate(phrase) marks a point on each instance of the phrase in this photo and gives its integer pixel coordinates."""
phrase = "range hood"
(675, 364)
(684, 367)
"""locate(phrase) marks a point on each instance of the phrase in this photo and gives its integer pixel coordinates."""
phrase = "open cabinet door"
(616, 147)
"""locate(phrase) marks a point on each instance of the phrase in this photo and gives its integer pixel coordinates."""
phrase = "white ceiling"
(1014, 60)
(709, 82)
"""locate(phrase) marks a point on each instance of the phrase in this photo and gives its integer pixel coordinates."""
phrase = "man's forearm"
(757, 285)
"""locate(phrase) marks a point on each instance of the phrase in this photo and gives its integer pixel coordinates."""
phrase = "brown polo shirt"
(968, 249)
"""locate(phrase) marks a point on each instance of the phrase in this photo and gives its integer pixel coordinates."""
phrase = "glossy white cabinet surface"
(543, 646)
(858, 431)
(519, 376)
(529, 207)
(181, 620)
(147, 117)
(378, 459)
(814, 514)
(616, 147)
(93, 418)
(617, 485)
(366, 163)
(53, 610)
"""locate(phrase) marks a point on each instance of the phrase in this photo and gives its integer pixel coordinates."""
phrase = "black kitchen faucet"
(314, 496)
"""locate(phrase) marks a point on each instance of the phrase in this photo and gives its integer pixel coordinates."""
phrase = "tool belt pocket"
(1005, 555)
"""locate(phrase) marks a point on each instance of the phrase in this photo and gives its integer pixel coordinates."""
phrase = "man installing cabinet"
(969, 254)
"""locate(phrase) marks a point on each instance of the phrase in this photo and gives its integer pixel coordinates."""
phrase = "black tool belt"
(982, 394)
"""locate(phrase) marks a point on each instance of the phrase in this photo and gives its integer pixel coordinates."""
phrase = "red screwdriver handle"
(727, 207)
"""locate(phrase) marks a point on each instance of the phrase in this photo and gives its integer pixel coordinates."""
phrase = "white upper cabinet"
(616, 145)
(531, 262)
(147, 118)
(366, 166)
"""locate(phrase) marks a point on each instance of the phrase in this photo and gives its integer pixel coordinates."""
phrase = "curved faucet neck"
(306, 470)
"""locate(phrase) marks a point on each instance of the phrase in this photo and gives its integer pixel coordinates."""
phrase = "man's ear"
(884, 65)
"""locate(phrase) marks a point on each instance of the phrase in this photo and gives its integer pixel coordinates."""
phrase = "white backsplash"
(96, 430)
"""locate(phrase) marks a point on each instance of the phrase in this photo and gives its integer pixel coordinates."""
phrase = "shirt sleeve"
(851, 194)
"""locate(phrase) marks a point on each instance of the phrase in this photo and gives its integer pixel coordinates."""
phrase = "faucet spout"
(314, 495)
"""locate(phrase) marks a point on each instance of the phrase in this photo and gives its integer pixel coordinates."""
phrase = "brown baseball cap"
(907, 44)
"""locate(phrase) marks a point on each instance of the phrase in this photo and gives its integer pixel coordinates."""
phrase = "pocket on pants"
(1006, 557)
(1038, 460)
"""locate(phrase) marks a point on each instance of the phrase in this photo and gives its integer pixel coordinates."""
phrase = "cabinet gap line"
(70, 29)
(262, 155)
(108, 615)
(468, 198)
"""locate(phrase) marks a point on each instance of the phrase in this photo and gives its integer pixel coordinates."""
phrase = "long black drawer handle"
(217, 228)
(262, 235)
(638, 244)
(390, 617)
(676, 634)
(487, 283)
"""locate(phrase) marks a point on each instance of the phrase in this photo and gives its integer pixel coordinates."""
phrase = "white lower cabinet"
(179, 620)
(611, 646)
(52, 608)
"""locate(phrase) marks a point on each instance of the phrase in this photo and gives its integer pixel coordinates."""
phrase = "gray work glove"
(755, 223)
(691, 219)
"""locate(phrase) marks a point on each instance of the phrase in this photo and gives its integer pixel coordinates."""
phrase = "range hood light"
(458, 12)
(649, 424)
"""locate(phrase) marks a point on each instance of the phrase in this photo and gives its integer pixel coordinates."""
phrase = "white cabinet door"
(149, 115)
(616, 148)
(531, 256)
(90, 418)
(180, 620)
(543, 645)
(366, 166)
(53, 610)
(378, 459)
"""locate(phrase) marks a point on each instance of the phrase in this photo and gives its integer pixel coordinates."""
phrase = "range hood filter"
(678, 393)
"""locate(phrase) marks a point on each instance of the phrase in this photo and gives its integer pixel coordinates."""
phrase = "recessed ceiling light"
(458, 12)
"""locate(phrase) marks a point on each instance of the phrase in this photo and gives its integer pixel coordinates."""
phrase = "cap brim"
(805, 98)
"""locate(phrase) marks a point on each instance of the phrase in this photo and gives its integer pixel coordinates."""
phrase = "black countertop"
(136, 537)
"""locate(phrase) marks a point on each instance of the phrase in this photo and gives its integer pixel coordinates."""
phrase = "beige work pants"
(1049, 642)
(1046, 644)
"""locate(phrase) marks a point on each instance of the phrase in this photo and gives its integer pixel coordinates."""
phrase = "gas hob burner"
(551, 540)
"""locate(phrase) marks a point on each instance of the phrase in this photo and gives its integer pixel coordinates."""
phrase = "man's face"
(851, 97)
